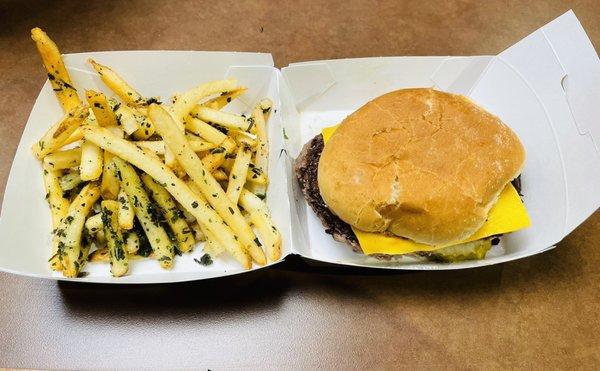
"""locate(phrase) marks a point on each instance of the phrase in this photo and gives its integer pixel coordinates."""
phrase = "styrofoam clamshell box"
(546, 88)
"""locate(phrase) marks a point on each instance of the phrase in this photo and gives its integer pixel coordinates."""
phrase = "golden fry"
(224, 99)
(228, 120)
(117, 84)
(261, 219)
(216, 156)
(119, 263)
(70, 180)
(64, 159)
(173, 215)
(94, 223)
(109, 187)
(190, 201)
(57, 72)
(103, 112)
(239, 171)
(210, 188)
(68, 233)
(58, 134)
(186, 101)
(126, 118)
(146, 213)
(126, 214)
(90, 167)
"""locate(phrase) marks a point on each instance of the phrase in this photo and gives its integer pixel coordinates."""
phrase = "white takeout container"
(546, 88)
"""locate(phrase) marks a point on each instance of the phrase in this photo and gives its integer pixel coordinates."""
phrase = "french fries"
(59, 206)
(69, 180)
(75, 137)
(68, 233)
(261, 219)
(261, 159)
(216, 156)
(158, 146)
(204, 130)
(132, 243)
(64, 159)
(127, 119)
(220, 175)
(101, 108)
(186, 101)
(255, 175)
(225, 119)
(126, 213)
(146, 213)
(117, 84)
(237, 176)
(57, 72)
(127, 178)
(194, 204)
(94, 223)
(58, 134)
(173, 215)
(146, 129)
(90, 167)
(54, 194)
(109, 187)
(119, 263)
(224, 99)
(209, 187)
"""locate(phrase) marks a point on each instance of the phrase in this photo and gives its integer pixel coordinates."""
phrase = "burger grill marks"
(305, 167)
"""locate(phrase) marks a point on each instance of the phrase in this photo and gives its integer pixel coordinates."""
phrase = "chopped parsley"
(204, 260)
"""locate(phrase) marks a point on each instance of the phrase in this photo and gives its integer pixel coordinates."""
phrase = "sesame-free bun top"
(419, 163)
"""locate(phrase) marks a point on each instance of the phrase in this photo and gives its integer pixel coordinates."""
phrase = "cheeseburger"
(417, 167)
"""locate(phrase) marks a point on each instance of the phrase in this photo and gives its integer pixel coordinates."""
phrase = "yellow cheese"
(507, 215)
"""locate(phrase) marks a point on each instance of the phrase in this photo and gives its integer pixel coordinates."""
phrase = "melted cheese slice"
(507, 215)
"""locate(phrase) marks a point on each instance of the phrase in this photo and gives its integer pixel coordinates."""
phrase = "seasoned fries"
(116, 83)
(173, 215)
(204, 130)
(191, 202)
(127, 177)
(64, 159)
(127, 119)
(186, 101)
(146, 213)
(56, 70)
(119, 264)
(68, 233)
(224, 99)
(209, 187)
(228, 120)
(237, 176)
(261, 158)
(261, 219)
(101, 108)
(216, 156)
(126, 214)
(70, 180)
(58, 134)
(90, 167)
(109, 187)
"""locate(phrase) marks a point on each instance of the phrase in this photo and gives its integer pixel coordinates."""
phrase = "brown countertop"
(540, 312)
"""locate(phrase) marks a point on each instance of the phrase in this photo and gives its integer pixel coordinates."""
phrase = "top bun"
(419, 163)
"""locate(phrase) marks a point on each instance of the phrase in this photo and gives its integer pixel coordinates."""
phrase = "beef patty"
(306, 167)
